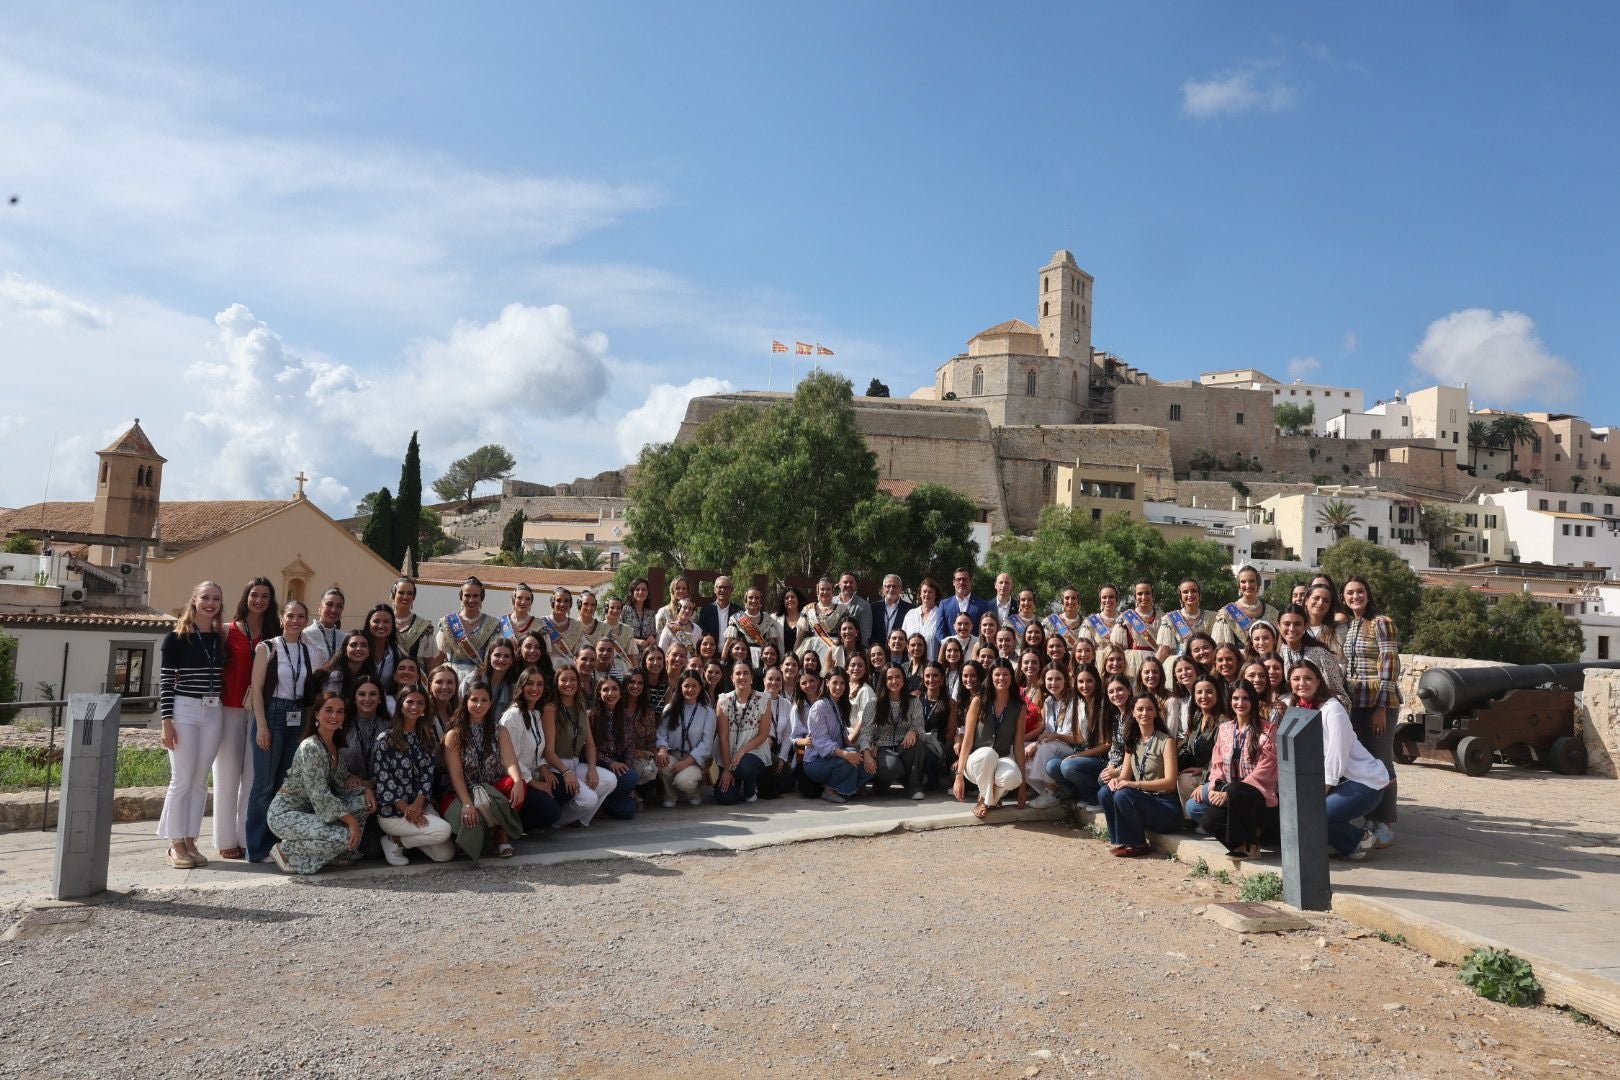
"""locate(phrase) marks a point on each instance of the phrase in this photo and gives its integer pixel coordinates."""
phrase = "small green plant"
(1200, 868)
(1580, 1017)
(1099, 829)
(1171, 856)
(1391, 939)
(1261, 887)
(1498, 975)
(1223, 877)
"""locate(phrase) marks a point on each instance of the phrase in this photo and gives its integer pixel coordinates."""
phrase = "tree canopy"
(1294, 419)
(784, 489)
(875, 388)
(1457, 621)
(379, 531)
(1068, 548)
(1395, 586)
(488, 462)
(512, 534)
(408, 506)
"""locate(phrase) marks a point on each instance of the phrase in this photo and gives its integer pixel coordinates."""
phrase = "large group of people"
(474, 730)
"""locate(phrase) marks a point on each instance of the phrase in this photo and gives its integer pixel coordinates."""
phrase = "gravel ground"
(1008, 951)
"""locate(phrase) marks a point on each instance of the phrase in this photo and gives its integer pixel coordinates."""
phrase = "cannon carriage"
(1524, 714)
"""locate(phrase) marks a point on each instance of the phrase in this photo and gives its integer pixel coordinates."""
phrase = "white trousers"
(686, 784)
(432, 836)
(233, 779)
(1035, 766)
(589, 800)
(993, 776)
(198, 728)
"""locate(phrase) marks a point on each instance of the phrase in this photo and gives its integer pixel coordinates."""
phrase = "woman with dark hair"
(1372, 652)
(642, 717)
(927, 618)
(895, 737)
(653, 666)
(524, 722)
(1297, 644)
(352, 660)
(1234, 621)
(464, 635)
(190, 684)
(414, 633)
(382, 638)
(1263, 639)
(779, 779)
(478, 756)
(571, 750)
(939, 723)
(534, 651)
(404, 760)
(1142, 797)
(407, 673)
(1195, 742)
(317, 814)
(1228, 663)
(255, 622)
(1117, 695)
(368, 718)
(789, 609)
(1321, 610)
(839, 769)
(499, 669)
(640, 615)
(1238, 803)
(685, 741)
(951, 661)
(848, 632)
(992, 754)
(617, 748)
(1355, 779)
(1255, 677)
(1078, 775)
(970, 685)
(742, 738)
(1058, 737)
(283, 680)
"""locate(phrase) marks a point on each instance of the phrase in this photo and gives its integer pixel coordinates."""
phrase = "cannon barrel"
(1450, 691)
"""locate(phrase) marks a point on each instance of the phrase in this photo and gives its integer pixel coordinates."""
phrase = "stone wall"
(1030, 456)
(1216, 493)
(1597, 712)
(1224, 421)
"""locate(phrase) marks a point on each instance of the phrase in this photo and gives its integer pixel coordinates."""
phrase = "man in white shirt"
(715, 617)
(1006, 600)
(893, 610)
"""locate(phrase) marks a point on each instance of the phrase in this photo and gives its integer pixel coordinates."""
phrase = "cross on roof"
(302, 480)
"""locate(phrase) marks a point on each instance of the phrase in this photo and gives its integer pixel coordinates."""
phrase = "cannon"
(1522, 713)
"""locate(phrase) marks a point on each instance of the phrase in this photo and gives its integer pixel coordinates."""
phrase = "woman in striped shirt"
(190, 688)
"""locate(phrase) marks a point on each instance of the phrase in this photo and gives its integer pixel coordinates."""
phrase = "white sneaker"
(752, 798)
(1367, 843)
(1042, 801)
(916, 796)
(669, 804)
(1384, 834)
(829, 795)
(394, 851)
(696, 800)
(280, 858)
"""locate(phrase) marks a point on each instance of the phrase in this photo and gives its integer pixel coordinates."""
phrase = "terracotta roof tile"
(1011, 326)
(94, 618)
(182, 525)
(453, 573)
(134, 441)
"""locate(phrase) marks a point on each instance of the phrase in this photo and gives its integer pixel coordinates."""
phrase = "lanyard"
(686, 731)
(297, 675)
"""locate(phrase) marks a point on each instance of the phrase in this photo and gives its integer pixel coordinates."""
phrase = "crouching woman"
(318, 814)
(478, 756)
(1142, 796)
(403, 760)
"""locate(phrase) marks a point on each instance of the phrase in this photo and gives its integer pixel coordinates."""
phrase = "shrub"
(1498, 975)
(1261, 887)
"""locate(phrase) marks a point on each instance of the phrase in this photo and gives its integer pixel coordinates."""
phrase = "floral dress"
(305, 812)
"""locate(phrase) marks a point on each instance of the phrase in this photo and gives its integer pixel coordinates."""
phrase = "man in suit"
(962, 601)
(890, 615)
(858, 609)
(714, 618)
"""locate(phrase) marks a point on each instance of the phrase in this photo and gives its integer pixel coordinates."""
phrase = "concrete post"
(1300, 788)
(84, 821)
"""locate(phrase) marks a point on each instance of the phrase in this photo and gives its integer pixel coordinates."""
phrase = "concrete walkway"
(1518, 859)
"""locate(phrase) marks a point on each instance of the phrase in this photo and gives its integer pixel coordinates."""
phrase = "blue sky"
(285, 238)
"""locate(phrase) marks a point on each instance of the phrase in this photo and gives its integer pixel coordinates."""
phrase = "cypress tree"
(380, 531)
(408, 508)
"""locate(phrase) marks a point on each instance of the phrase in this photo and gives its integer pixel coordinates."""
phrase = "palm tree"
(589, 558)
(554, 555)
(1510, 430)
(1339, 516)
(1479, 434)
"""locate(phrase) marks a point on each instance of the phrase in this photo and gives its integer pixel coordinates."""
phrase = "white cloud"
(1496, 354)
(659, 417)
(1302, 367)
(1243, 90)
(22, 298)
(1352, 341)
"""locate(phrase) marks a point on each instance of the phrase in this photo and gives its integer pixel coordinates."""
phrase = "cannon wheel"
(1472, 755)
(1567, 755)
(1405, 752)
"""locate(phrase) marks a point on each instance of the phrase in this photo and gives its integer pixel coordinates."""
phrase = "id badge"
(295, 717)
(211, 701)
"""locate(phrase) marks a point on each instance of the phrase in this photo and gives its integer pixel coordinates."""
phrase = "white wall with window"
(95, 658)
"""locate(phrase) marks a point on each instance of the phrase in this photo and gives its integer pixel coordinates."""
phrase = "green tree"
(876, 388)
(408, 506)
(1509, 430)
(1395, 585)
(551, 555)
(8, 671)
(1294, 419)
(379, 531)
(489, 462)
(435, 542)
(1437, 523)
(1339, 517)
(800, 465)
(21, 545)
(1479, 438)
(929, 533)
(1609, 489)
(1525, 631)
(589, 557)
(512, 535)
(1454, 621)
(1068, 548)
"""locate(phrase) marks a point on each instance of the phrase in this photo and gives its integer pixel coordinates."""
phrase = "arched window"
(1074, 386)
(1046, 308)
(1046, 284)
(295, 589)
(978, 381)
(1029, 382)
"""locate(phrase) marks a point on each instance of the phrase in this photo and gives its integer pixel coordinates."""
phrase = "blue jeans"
(621, 805)
(1132, 814)
(837, 774)
(1346, 803)
(1076, 776)
(744, 782)
(269, 770)
(1198, 807)
(541, 808)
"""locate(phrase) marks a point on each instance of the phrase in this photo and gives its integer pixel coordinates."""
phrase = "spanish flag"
(800, 348)
(822, 350)
(778, 346)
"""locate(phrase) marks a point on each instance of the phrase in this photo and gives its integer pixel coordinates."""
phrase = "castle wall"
(1225, 421)
(1030, 457)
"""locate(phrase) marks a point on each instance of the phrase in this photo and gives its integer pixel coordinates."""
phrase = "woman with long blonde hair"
(191, 685)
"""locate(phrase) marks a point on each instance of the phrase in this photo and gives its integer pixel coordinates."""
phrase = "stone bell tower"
(128, 481)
